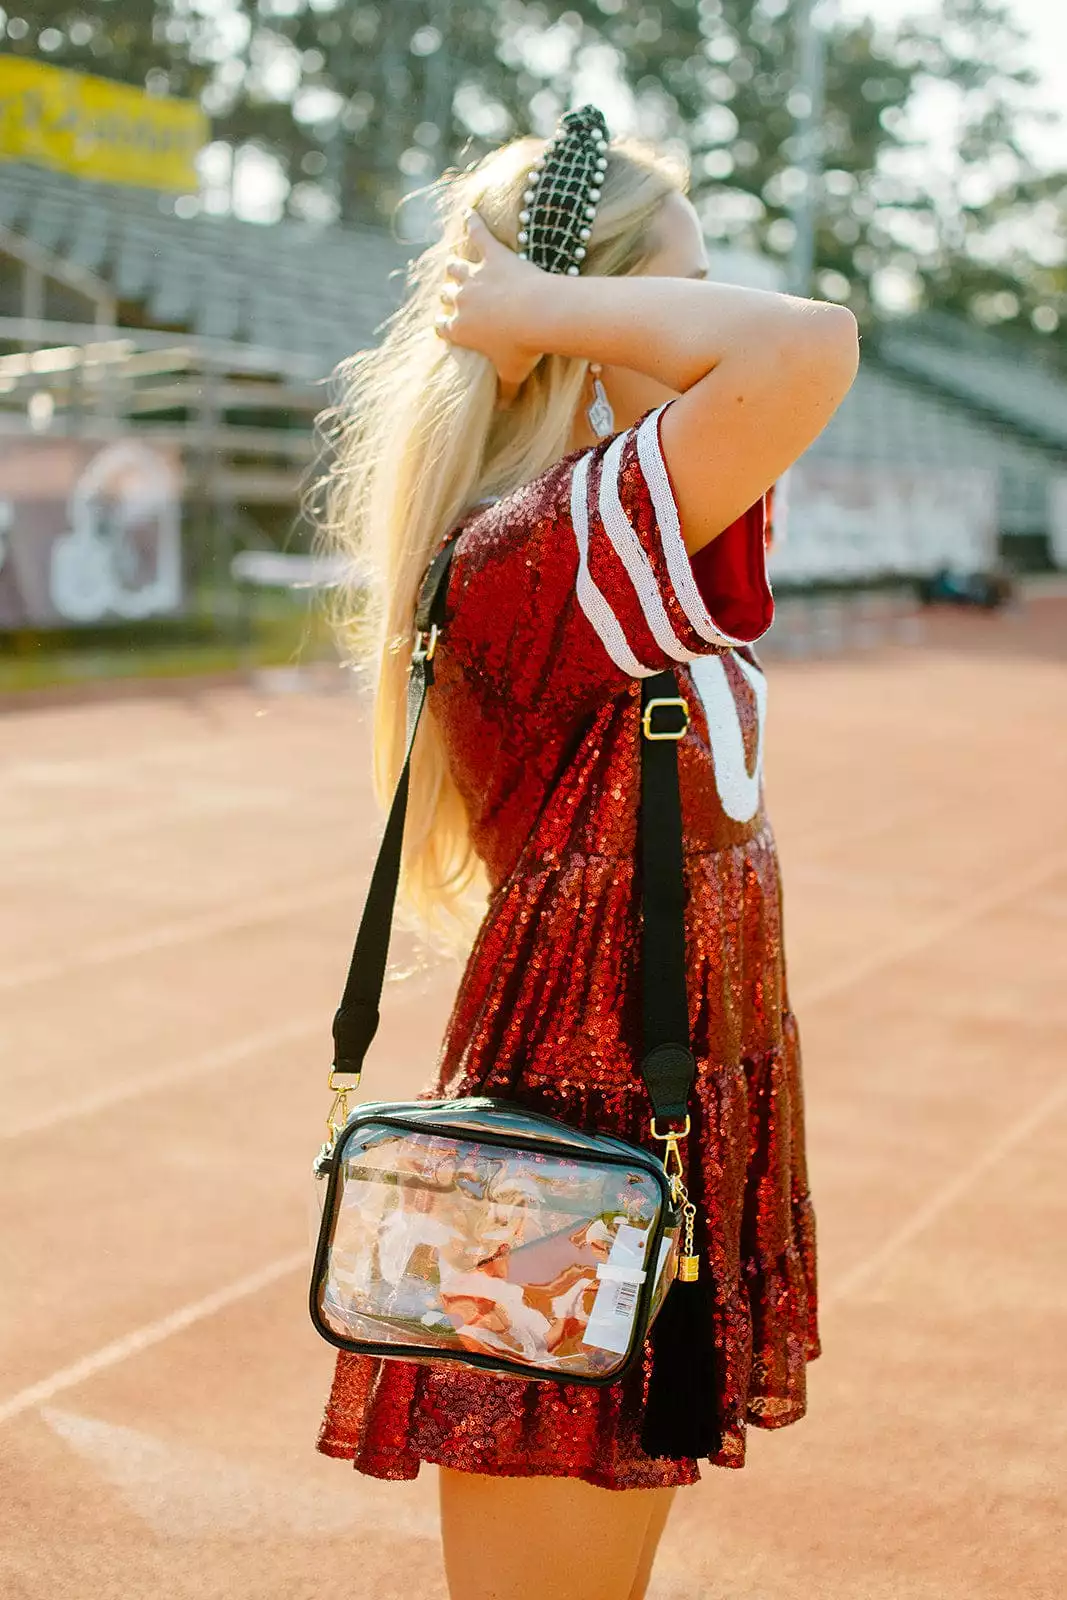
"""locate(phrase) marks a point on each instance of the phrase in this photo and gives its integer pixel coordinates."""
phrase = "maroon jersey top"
(562, 596)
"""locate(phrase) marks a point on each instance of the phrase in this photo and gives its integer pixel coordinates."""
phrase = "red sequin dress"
(562, 596)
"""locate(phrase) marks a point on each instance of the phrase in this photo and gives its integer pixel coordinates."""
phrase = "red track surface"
(181, 880)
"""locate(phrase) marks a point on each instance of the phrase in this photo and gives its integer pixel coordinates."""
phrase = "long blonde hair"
(417, 439)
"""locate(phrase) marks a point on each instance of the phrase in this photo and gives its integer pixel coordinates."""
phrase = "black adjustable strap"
(668, 1065)
(356, 1020)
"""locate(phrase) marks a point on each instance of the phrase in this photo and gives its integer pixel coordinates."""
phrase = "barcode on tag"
(611, 1321)
(626, 1299)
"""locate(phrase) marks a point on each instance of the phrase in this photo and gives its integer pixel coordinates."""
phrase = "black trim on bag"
(592, 1156)
(616, 1151)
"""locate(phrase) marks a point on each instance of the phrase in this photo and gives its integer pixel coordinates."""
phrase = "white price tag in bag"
(611, 1320)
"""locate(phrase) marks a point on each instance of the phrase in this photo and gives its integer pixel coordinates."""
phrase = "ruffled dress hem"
(764, 1411)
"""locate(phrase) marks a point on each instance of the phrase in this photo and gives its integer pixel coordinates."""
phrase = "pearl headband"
(562, 191)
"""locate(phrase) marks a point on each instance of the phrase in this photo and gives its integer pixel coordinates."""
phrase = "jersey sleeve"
(580, 582)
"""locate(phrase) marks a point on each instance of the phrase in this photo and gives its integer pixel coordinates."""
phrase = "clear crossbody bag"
(475, 1231)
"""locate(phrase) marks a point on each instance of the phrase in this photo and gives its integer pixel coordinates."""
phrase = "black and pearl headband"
(562, 193)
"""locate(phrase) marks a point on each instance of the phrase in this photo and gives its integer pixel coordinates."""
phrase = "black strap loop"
(667, 1066)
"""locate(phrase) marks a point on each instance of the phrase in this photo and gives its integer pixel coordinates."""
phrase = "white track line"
(32, 848)
(946, 1197)
(417, 978)
(153, 1333)
(922, 935)
(181, 931)
(156, 1332)
(152, 1079)
(41, 771)
(110, 1355)
(867, 825)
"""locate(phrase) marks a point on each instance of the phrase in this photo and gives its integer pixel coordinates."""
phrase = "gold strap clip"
(337, 1115)
(673, 1166)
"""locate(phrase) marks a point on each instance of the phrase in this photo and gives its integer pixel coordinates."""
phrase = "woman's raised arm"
(759, 373)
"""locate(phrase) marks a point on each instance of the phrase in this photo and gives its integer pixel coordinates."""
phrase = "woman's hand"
(487, 304)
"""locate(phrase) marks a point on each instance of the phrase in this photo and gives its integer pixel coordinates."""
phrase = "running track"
(180, 877)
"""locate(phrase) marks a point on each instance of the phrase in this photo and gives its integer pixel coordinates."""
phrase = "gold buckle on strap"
(646, 718)
(337, 1115)
(424, 652)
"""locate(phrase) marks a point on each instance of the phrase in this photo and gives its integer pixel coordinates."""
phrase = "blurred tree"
(982, 228)
(380, 97)
(898, 224)
(361, 101)
(724, 72)
(160, 45)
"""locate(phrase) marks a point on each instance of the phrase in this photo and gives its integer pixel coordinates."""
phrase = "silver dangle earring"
(601, 416)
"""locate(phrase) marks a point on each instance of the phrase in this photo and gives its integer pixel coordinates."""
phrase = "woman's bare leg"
(656, 1524)
(547, 1538)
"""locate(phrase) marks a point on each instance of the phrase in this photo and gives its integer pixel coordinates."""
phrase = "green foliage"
(151, 43)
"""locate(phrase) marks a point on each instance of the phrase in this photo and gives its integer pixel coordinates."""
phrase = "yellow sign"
(95, 128)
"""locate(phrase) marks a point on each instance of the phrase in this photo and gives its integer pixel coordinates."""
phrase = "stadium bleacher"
(250, 305)
(981, 370)
(293, 287)
(889, 421)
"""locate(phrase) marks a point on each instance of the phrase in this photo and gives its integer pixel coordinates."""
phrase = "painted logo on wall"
(88, 533)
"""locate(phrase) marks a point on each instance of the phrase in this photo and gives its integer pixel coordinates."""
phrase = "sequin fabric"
(542, 726)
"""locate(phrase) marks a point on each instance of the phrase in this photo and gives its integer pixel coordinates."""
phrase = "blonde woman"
(597, 427)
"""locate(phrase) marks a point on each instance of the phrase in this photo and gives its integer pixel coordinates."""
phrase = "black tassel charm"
(681, 1421)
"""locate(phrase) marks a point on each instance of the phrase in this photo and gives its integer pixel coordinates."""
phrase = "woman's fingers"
(448, 308)
(478, 234)
(456, 269)
(458, 272)
(476, 300)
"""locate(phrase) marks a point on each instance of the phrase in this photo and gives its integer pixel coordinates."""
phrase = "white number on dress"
(739, 789)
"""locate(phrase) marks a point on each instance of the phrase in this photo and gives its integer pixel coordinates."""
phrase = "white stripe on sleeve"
(633, 556)
(670, 530)
(606, 624)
